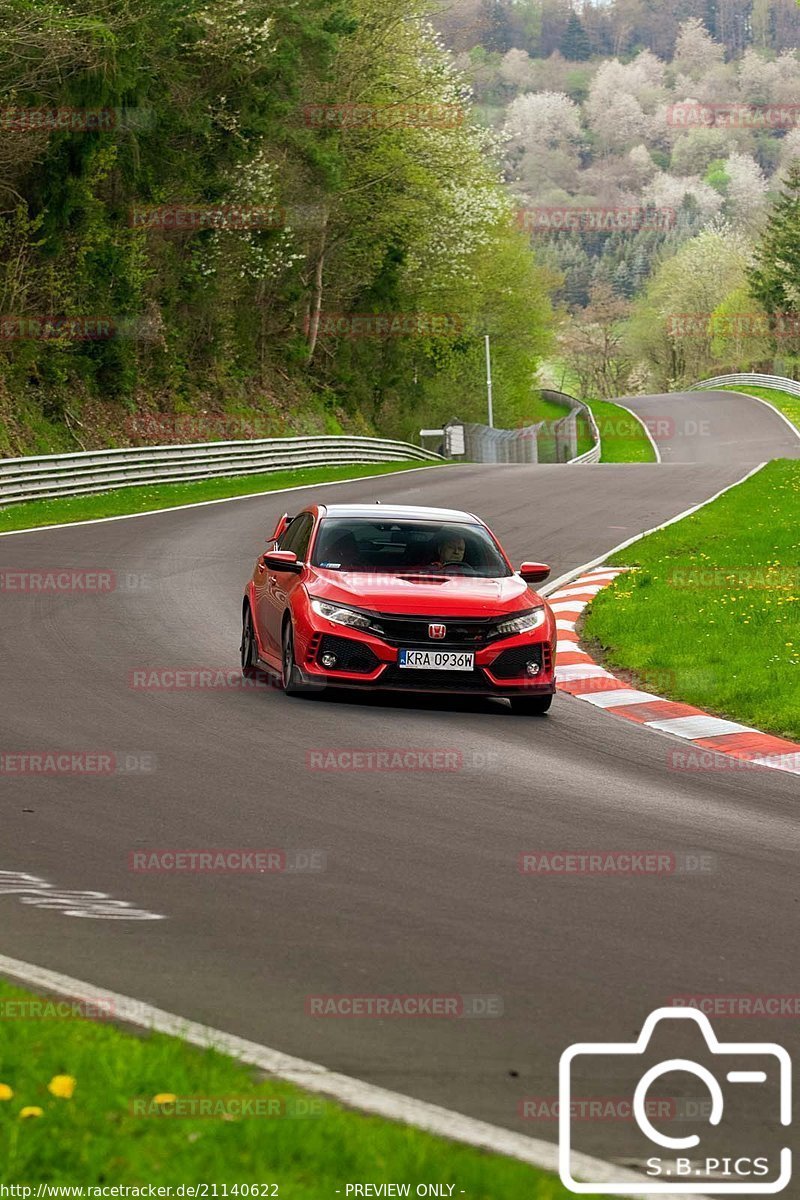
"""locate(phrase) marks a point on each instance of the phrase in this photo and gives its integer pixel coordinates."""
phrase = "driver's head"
(452, 548)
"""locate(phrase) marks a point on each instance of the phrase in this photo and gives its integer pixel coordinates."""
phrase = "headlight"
(523, 623)
(342, 616)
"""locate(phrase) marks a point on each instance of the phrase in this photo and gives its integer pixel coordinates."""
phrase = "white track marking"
(96, 906)
(612, 699)
(556, 584)
(781, 762)
(354, 1093)
(154, 512)
(760, 400)
(590, 589)
(636, 417)
(702, 726)
(577, 671)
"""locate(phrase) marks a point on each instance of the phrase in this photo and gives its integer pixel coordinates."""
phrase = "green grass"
(716, 600)
(151, 497)
(786, 403)
(97, 1136)
(622, 437)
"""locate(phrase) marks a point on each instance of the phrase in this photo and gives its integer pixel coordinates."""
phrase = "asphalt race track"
(422, 892)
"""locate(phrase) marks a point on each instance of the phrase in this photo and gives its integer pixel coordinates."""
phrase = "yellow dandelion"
(6, 1092)
(30, 1111)
(165, 1098)
(62, 1086)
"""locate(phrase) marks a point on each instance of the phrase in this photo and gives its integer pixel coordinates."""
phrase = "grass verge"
(622, 436)
(713, 605)
(151, 497)
(785, 402)
(112, 1131)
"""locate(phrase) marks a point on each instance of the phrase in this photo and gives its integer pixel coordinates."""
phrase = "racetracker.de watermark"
(617, 862)
(383, 116)
(230, 1108)
(77, 762)
(733, 325)
(691, 114)
(67, 1008)
(593, 219)
(214, 861)
(731, 578)
(198, 679)
(698, 759)
(361, 326)
(16, 119)
(447, 1006)
(613, 1108)
(188, 218)
(71, 581)
(400, 758)
(49, 327)
(755, 1005)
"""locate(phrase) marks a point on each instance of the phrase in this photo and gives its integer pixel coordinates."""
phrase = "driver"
(451, 548)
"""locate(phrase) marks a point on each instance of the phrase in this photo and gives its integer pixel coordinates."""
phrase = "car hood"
(421, 595)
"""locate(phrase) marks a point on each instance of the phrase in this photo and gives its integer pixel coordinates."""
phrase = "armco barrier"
(544, 442)
(775, 382)
(41, 478)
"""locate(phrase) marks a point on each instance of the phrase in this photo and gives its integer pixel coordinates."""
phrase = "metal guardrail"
(775, 382)
(86, 471)
(544, 442)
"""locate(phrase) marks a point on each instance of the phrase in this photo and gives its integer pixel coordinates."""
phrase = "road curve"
(422, 893)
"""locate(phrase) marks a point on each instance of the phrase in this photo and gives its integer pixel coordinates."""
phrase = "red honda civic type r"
(374, 596)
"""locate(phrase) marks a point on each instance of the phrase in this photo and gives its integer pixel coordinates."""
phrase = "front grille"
(350, 655)
(406, 631)
(511, 663)
(440, 681)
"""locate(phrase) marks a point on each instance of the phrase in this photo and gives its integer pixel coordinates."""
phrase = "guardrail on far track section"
(49, 475)
(775, 382)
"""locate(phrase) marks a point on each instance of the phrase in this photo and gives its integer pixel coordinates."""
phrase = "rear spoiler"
(281, 527)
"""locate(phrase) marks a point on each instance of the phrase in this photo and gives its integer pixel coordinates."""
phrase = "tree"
(671, 328)
(575, 45)
(696, 52)
(544, 119)
(592, 343)
(773, 278)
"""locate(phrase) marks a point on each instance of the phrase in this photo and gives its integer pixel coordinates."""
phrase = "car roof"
(398, 512)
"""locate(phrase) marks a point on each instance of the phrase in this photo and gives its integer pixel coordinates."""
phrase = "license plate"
(437, 660)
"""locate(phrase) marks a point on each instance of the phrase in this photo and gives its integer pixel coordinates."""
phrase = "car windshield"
(403, 547)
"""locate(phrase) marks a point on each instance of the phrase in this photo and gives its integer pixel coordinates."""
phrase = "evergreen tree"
(774, 279)
(575, 44)
(499, 34)
(622, 281)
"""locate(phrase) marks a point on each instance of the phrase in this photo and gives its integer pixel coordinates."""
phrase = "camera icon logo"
(671, 1170)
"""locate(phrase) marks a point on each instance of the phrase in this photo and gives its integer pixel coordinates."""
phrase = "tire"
(531, 706)
(291, 678)
(248, 650)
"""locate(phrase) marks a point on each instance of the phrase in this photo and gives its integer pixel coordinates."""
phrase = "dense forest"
(198, 203)
(250, 217)
(646, 147)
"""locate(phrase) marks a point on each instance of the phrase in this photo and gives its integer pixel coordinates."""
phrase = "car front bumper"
(366, 662)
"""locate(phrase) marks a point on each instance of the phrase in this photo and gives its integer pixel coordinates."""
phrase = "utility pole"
(489, 383)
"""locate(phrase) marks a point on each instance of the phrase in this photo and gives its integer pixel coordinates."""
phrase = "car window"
(298, 535)
(452, 548)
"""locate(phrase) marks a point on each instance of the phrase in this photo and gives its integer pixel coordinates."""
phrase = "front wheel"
(291, 678)
(531, 706)
(248, 649)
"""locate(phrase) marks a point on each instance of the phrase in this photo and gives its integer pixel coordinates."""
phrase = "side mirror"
(533, 572)
(281, 560)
